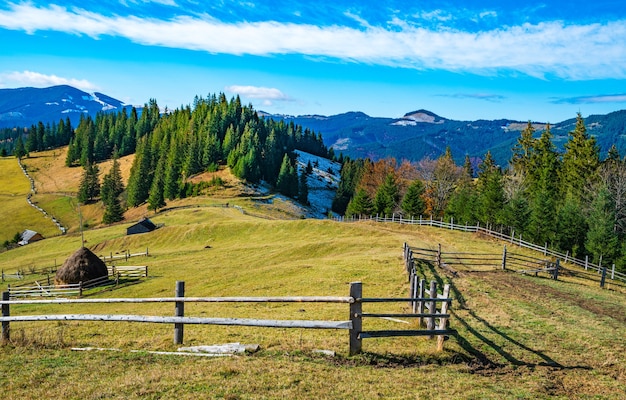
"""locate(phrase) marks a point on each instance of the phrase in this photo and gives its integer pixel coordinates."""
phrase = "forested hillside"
(573, 201)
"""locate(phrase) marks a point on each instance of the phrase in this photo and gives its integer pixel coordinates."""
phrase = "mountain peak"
(422, 115)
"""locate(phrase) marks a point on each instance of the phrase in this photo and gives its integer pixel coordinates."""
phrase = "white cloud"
(266, 95)
(598, 99)
(36, 79)
(549, 49)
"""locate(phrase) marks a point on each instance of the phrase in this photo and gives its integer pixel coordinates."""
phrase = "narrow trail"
(33, 190)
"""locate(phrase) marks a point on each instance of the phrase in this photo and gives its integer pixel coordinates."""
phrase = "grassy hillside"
(519, 336)
(15, 213)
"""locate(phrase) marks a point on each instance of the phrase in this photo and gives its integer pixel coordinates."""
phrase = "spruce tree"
(89, 187)
(287, 182)
(601, 238)
(303, 189)
(387, 196)
(112, 188)
(156, 199)
(580, 161)
(20, 151)
(412, 203)
(360, 205)
(491, 191)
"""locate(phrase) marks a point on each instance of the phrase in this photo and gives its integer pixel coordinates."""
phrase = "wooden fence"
(32, 270)
(47, 288)
(506, 261)
(603, 271)
(354, 324)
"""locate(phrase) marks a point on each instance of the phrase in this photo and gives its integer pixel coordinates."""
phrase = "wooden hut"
(144, 225)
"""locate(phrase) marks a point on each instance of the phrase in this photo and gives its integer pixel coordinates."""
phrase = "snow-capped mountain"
(24, 107)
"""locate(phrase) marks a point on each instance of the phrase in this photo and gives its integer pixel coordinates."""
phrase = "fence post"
(432, 308)
(545, 249)
(356, 309)
(613, 272)
(504, 258)
(179, 311)
(80, 289)
(586, 262)
(555, 274)
(603, 278)
(5, 313)
(512, 236)
(420, 303)
(443, 321)
(566, 255)
(439, 255)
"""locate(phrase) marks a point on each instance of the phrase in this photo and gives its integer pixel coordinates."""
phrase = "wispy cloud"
(496, 98)
(266, 95)
(36, 79)
(545, 50)
(598, 99)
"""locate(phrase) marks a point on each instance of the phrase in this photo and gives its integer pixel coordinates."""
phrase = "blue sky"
(525, 60)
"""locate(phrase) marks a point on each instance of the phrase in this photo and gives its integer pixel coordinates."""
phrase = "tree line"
(572, 200)
(39, 137)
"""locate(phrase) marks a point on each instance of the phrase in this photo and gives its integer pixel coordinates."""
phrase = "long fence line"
(354, 324)
(566, 257)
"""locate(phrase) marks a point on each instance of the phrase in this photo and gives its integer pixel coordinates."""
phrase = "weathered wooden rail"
(46, 288)
(354, 324)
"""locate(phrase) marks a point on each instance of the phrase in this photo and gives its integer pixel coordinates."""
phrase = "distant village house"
(143, 226)
(29, 236)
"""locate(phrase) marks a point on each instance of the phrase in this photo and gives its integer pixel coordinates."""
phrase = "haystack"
(81, 266)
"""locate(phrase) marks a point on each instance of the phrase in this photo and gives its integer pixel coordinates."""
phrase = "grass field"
(520, 337)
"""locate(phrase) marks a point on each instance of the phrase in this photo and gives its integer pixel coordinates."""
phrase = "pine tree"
(413, 204)
(580, 161)
(140, 175)
(387, 196)
(287, 182)
(490, 191)
(571, 227)
(112, 188)
(156, 199)
(89, 187)
(303, 189)
(360, 205)
(601, 238)
(20, 151)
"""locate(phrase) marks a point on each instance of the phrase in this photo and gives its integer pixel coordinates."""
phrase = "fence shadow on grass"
(425, 268)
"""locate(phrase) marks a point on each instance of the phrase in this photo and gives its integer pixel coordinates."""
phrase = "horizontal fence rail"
(179, 320)
(52, 269)
(48, 289)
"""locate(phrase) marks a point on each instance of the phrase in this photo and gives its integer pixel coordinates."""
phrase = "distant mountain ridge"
(414, 136)
(24, 107)
(422, 133)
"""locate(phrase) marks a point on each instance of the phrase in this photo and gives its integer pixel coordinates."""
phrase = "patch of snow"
(404, 122)
(105, 106)
(322, 182)
(54, 103)
(341, 144)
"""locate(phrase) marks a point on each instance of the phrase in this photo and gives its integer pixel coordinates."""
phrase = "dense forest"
(173, 146)
(571, 200)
